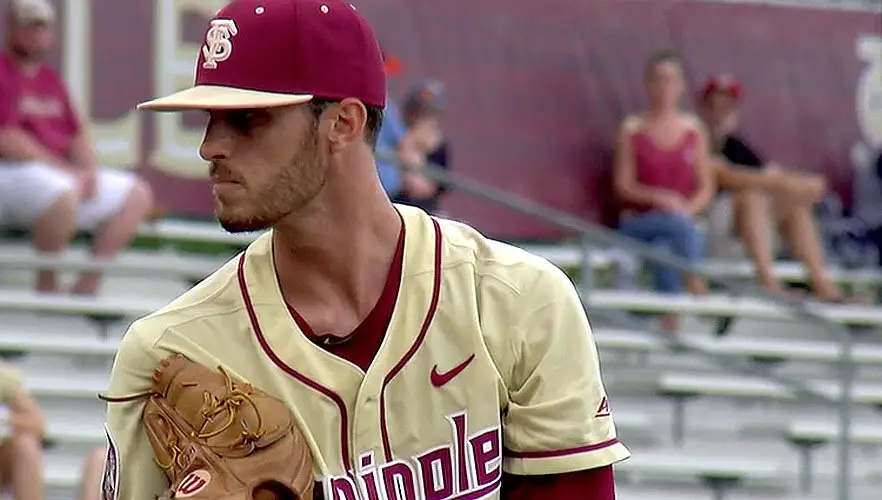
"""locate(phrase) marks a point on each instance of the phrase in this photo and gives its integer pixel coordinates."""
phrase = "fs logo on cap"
(218, 46)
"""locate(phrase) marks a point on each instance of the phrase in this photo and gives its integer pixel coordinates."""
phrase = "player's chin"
(234, 222)
(231, 225)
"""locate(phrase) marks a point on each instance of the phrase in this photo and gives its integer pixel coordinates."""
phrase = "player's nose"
(215, 143)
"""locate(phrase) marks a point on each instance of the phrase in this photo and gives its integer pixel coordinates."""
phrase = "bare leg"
(670, 322)
(52, 234)
(798, 229)
(90, 487)
(751, 223)
(117, 233)
(24, 453)
(739, 178)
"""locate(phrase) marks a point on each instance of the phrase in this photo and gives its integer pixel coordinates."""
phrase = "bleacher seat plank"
(73, 387)
(826, 431)
(789, 349)
(698, 466)
(729, 306)
(627, 340)
(128, 262)
(62, 473)
(65, 304)
(756, 347)
(789, 271)
(68, 432)
(706, 384)
(568, 255)
(77, 345)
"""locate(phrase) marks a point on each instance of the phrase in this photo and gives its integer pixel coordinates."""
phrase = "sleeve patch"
(110, 477)
(603, 409)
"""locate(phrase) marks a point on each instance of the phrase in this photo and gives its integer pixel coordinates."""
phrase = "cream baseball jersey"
(488, 365)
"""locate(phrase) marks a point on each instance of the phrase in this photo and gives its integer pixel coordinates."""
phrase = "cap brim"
(216, 97)
(32, 20)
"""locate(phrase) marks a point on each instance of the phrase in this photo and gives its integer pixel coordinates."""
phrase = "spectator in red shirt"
(663, 176)
(50, 182)
(762, 190)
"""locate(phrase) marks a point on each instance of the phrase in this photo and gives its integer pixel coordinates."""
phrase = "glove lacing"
(236, 395)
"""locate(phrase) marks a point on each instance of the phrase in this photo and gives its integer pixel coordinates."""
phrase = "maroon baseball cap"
(726, 84)
(269, 53)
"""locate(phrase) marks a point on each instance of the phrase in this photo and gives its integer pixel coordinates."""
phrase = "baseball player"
(419, 359)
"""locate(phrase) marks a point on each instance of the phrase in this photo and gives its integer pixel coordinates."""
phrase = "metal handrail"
(589, 231)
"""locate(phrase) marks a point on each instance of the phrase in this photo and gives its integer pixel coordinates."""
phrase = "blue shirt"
(390, 136)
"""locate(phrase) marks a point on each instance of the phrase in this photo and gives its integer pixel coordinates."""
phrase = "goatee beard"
(246, 226)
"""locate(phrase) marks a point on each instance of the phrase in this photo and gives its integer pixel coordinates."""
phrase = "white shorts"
(27, 190)
(723, 239)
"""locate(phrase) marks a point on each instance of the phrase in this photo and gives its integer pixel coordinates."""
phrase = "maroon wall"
(536, 88)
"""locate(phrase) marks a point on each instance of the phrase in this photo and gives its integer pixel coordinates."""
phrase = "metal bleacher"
(697, 431)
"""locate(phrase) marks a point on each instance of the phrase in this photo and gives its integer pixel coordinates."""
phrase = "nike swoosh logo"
(439, 379)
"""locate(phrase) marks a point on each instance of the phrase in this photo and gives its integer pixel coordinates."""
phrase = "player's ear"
(348, 123)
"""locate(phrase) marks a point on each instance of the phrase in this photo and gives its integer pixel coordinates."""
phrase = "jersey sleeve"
(131, 472)
(558, 417)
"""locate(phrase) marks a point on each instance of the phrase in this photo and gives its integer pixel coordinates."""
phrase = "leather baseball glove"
(219, 439)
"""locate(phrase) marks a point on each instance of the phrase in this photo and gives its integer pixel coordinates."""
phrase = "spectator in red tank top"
(761, 191)
(49, 181)
(663, 176)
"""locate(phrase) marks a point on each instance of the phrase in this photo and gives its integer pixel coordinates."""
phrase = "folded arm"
(18, 145)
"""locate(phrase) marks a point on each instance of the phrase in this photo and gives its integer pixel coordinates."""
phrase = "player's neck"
(339, 254)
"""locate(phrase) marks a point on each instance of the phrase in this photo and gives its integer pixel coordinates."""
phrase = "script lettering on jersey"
(470, 466)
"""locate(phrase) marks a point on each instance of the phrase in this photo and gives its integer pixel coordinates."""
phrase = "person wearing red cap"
(49, 180)
(761, 190)
(420, 359)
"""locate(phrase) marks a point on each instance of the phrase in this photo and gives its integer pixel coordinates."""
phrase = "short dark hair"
(660, 57)
(373, 123)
